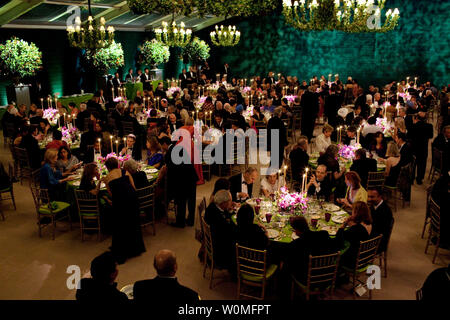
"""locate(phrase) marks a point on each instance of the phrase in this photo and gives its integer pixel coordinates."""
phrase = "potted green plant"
(196, 51)
(107, 58)
(155, 53)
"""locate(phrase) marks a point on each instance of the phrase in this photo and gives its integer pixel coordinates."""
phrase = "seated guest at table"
(250, 234)
(223, 230)
(92, 153)
(131, 148)
(257, 115)
(359, 229)
(323, 140)
(172, 123)
(308, 243)
(405, 150)
(319, 184)
(392, 169)
(363, 165)
(83, 114)
(355, 192)
(127, 239)
(352, 115)
(57, 141)
(155, 157)
(219, 123)
(37, 117)
(159, 91)
(381, 215)
(271, 184)
(241, 185)
(101, 287)
(350, 137)
(164, 288)
(51, 178)
(127, 116)
(29, 143)
(379, 145)
(67, 162)
(87, 182)
(139, 177)
(371, 127)
(329, 160)
(220, 184)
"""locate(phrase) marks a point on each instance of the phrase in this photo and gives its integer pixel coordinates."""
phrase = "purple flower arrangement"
(69, 135)
(347, 152)
(120, 99)
(291, 201)
(172, 90)
(51, 115)
(290, 98)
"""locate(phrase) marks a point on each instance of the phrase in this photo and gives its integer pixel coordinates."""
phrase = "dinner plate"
(331, 207)
(273, 233)
(331, 231)
(76, 183)
(338, 219)
(340, 213)
(151, 170)
(294, 236)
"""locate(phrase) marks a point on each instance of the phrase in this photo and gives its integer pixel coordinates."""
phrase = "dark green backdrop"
(418, 47)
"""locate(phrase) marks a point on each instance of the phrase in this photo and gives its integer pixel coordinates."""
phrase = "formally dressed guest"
(442, 143)
(226, 71)
(87, 183)
(333, 103)
(139, 177)
(323, 140)
(241, 185)
(57, 141)
(350, 136)
(355, 229)
(381, 215)
(308, 243)
(220, 184)
(164, 288)
(310, 108)
(355, 192)
(275, 123)
(117, 83)
(405, 150)
(329, 160)
(271, 184)
(155, 157)
(421, 132)
(371, 127)
(299, 158)
(184, 78)
(223, 230)
(392, 169)
(127, 239)
(250, 234)
(160, 92)
(67, 162)
(257, 115)
(378, 146)
(83, 114)
(319, 184)
(51, 178)
(101, 287)
(130, 76)
(131, 148)
(146, 80)
(351, 116)
(436, 287)
(363, 165)
(29, 143)
(92, 154)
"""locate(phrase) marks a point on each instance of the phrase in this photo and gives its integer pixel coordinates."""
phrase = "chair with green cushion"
(366, 255)
(89, 211)
(146, 201)
(51, 211)
(10, 188)
(253, 270)
(321, 276)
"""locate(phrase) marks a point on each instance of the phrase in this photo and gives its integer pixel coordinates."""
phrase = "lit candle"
(407, 80)
(303, 183)
(285, 167)
(357, 137)
(279, 177)
(112, 89)
(124, 92)
(64, 119)
(42, 103)
(56, 102)
(110, 138)
(69, 122)
(415, 81)
(117, 147)
(197, 114)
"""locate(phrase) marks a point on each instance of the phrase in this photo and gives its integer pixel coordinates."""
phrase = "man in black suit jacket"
(299, 159)
(145, 79)
(421, 132)
(332, 104)
(310, 108)
(223, 230)
(362, 165)
(382, 217)
(117, 82)
(275, 123)
(226, 70)
(183, 77)
(320, 184)
(406, 152)
(270, 78)
(101, 287)
(164, 288)
(241, 185)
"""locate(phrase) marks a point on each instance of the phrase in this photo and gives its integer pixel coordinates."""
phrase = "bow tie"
(245, 183)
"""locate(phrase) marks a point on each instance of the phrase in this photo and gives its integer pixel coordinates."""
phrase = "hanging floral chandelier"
(225, 38)
(173, 36)
(346, 15)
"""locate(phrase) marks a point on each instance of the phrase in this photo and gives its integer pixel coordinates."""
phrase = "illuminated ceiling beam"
(113, 13)
(207, 23)
(10, 13)
(158, 21)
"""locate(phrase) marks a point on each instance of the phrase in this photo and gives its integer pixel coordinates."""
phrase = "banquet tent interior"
(391, 85)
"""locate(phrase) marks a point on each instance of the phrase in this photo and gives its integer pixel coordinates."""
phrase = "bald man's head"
(165, 263)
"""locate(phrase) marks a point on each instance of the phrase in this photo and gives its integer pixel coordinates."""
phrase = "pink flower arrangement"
(69, 135)
(290, 98)
(289, 201)
(347, 152)
(245, 90)
(172, 90)
(114, 155)
(120, 99)
(51, 115)
(200, 102)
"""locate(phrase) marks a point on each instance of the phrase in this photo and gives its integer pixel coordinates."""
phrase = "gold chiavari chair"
(146, 201)
(89, 211)
(434, 232)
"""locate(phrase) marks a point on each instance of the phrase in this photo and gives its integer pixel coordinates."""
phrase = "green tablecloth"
(313, 164)
(77, 99)
(132, 88)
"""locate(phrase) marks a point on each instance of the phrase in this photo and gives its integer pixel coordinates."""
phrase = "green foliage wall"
(418, 47)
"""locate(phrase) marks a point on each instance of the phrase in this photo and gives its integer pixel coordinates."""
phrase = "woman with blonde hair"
(399, 126)
(323, 140)
(393, 158)
(355, 192)
(51, 178)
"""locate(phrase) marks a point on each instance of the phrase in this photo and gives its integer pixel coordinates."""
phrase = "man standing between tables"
(421, 132)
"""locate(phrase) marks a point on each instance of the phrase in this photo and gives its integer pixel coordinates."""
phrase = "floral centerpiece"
(384, 125)
(246, 90)
(101, 160)
(155, 52)
(291, 201)
(69, 135)
(20, 58)
(247, 113)
(158, 112)
(200, 102)
(348, 152)
(106, 58)
(405, 95)
(52, 115)
(290, 98)
(121, 99)
(172, 90)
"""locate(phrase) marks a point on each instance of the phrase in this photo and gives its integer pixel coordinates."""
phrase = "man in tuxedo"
(110, 88)
(131, 148)
(83, 114)
(223, 230)
(382, 217)
(192, 76)
(220, 123)
(332, 104)
(183, 77)
(145, 79)
(101, 287)
(320, 184)
(130, 76)
(172, 122)
(421, 133)
(299, 159)
(241, 185)
(164, 288)
(405, 150)
(362, 165)
(117, 82)
(275, 123)
(310, 108)
(226, 70)
(138, 76)
(270, 78)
